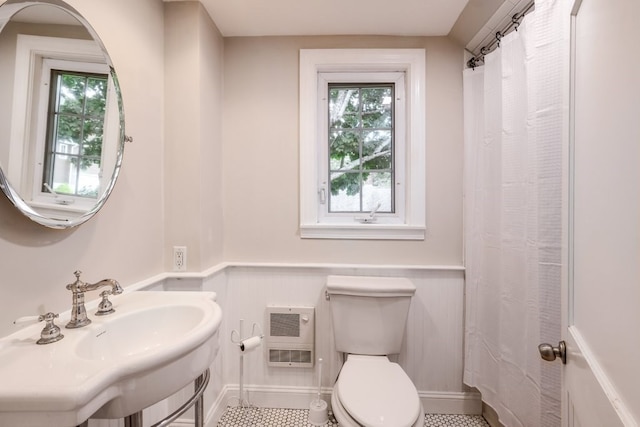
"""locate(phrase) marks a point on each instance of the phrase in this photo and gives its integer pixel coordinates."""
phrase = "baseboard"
(463, 403)
(277, 396)
(182, 423)
(214, 413)
(217, 408)
(467, 403)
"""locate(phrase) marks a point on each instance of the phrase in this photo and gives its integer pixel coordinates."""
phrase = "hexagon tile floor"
(270, 417)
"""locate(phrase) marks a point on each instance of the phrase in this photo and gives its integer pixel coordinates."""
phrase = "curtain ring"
(498, 37)
(515, 19)
(484, 50)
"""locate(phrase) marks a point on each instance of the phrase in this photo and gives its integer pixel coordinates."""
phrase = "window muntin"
(361, 148)
(76, 114)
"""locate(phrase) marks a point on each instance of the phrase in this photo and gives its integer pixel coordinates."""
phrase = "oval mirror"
(61, 116)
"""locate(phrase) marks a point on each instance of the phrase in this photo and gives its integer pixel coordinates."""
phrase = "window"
(76, 115)
(361, 149)
(362, 144)
(65, 119)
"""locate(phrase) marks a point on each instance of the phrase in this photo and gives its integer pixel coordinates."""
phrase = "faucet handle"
(50, 333)
(75, 286)
(26, 319)
(105, 307)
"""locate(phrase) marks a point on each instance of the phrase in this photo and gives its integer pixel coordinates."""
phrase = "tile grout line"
(276, 417)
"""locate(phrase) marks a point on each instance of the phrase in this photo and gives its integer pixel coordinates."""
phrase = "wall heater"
(290, 336)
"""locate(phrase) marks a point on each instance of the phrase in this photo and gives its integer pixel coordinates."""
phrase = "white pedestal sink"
(155, 344)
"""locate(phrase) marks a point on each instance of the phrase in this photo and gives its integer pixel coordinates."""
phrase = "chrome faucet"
(78, 288)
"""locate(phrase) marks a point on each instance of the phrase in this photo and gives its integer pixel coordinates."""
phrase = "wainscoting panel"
(431, 355)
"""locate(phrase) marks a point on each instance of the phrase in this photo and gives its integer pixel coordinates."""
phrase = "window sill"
(72, 209)
(362, 231)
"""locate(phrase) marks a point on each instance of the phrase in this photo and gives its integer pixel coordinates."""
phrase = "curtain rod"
(478, 58)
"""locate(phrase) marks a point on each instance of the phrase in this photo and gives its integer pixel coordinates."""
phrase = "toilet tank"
(369, 313)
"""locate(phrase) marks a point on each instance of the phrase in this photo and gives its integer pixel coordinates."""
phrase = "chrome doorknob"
(549, 353)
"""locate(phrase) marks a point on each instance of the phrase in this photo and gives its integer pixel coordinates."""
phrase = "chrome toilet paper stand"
(251, 413)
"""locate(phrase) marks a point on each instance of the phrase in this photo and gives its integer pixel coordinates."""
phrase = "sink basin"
(139, 332)
(155, 344)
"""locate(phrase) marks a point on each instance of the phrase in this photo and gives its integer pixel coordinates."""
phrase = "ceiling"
(45, 15)
(351, 17)
(325, 17)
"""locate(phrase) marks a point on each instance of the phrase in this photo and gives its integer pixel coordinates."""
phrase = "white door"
(601, 379)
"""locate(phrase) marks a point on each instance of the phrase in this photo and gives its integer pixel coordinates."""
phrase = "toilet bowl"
(372, 391)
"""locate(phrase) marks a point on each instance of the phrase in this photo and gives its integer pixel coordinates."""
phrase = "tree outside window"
(361, 158)
(75, 133)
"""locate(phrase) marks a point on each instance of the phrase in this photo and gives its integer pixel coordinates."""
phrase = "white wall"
(193, 154)
(125, 239)
(260, 154)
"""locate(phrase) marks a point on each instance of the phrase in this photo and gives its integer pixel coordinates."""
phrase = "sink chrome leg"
(133, 420)
(199, 404)
(200, 385)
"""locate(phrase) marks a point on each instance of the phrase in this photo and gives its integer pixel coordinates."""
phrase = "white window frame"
(30, 102)
(40, 196)
(318, 67)
(399, 146)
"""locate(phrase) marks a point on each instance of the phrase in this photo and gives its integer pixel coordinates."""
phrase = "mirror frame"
(7, 10)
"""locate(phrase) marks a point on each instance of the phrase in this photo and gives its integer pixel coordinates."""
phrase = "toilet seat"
(376, 392)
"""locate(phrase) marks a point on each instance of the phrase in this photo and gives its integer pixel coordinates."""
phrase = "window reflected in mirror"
(77, 105)
(67, 149)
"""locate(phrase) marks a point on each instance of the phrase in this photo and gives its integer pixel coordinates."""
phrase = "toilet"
(369, 316)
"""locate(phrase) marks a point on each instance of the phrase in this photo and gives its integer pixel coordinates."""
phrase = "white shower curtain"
(513, 139)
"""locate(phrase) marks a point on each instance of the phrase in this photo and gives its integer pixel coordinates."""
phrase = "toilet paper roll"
(250, 344)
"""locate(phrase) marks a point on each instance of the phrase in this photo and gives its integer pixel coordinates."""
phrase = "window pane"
(96, 96)
(376, 107)
(69, 179)
(92, 137)
(376, 99)
(64, 176)
(377, 189)
(89, 178)
(376, 150)
(68, 134)
(344, 150)
(71, 94)
(345, 192)
(376, 120)
(344, 110)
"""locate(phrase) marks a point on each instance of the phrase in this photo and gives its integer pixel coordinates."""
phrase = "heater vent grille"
(291, 336)
(290, 357)
(285, 325)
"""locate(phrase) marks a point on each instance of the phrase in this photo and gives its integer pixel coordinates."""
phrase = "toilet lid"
(377, 392)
